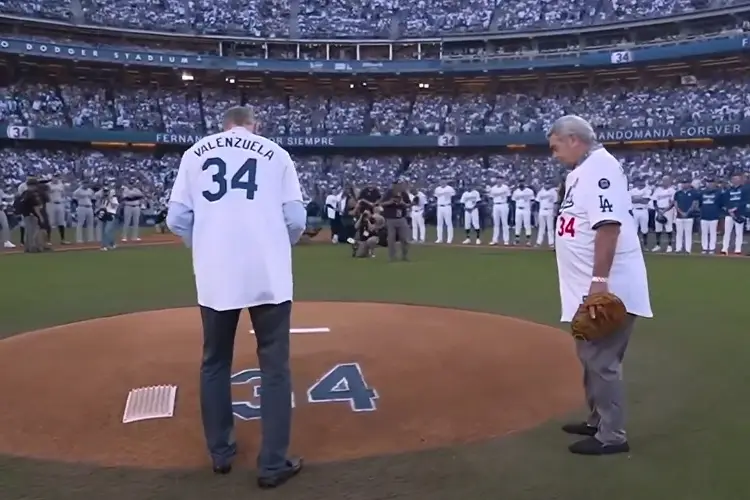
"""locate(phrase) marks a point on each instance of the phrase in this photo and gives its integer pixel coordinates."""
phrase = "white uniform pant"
(640, 215)
(132, 216)
(667, 226)
(85, 216)
(444, 218)
(684, 237)
(417, 225)
(523, 219)
(4, 228)
(730, 226)
(471, 219)
(708, 234)
(500, 212)
(546, 226)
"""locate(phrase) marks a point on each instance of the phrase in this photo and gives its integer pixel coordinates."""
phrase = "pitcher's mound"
(379, 379)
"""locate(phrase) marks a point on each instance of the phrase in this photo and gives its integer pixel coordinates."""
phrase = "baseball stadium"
(445, 377)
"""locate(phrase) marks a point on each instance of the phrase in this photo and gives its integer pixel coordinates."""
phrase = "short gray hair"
(573, 126)
(239, 116)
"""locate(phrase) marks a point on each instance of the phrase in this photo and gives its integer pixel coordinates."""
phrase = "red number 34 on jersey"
(566, 226)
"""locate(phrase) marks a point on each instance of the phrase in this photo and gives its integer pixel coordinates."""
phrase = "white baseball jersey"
(499, 193)
(236, 184)
(332, 203)
(56, 191)
(523, 198)
(444, 195)
(663, 196)
(640, 197)
(469, 199)
(23, 187)
(419, 207)
(128, 192)
(597, 191)
(83, 196)
(547, 199)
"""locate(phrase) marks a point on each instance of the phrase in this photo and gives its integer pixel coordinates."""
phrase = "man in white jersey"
(6, 200)
(84, 196)
(418, 202)
(500, 194)
(470, 200)
(523, 196)
(444, 195)
(598, 250)
(332, 203)
(236, 201)
(547, 198)
(663, 198)
(131, 199)
(640, 196)
(56, 207)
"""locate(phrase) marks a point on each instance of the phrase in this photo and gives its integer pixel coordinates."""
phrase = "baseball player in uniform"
(523, 196)
(663, 198)
(470, 200)
(686, 202)
(5, 202)
(418, 201)
(56, 207)
(444, 195)
(733, 203)
(710, 199)
(131, 197)
(640, 197)
(500, 194)
(598, 251)
(84, 196)
(547, 198)
(242, 190)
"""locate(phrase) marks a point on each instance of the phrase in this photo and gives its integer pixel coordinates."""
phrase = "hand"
(595, 288)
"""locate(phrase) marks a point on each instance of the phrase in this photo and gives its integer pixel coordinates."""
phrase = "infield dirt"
(442, 377)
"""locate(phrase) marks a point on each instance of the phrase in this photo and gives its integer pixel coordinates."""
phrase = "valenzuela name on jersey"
(234, 142)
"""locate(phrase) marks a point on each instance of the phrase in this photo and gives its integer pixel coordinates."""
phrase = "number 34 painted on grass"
(342, 383)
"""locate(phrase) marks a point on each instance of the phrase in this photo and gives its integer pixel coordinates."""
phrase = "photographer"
(368, 198)
(31, 204)
(395, 206)
(367, 227)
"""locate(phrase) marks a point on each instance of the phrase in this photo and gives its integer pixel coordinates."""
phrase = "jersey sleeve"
(181, 189)
(291, 190)
(606, 197)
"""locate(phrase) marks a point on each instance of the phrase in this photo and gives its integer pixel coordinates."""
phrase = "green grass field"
(686, 371)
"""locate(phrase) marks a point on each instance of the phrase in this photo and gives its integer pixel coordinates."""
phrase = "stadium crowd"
(422, 112)
(322, 175)
(348, 18)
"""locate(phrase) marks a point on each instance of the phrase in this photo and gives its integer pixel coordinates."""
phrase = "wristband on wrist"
(599, 279)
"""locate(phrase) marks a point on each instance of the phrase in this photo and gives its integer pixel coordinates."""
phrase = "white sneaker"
(669, 249)
(350, 241)
(656, 248)
(493, 243)
(478, 242)
(8, 244)
(124, 240)
(137, 239)
(104, 249)
(467, 241)
(335, 239)
(438, 242)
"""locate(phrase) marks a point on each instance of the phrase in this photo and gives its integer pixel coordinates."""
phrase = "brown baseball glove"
(600, 315)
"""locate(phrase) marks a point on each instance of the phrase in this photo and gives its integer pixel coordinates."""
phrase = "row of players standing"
(669, 209)
(88, 207)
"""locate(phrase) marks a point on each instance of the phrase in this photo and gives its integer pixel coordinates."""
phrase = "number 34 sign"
(344, 383)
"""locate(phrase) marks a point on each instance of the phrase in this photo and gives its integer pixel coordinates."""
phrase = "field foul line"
(304, 330)
(497, 248)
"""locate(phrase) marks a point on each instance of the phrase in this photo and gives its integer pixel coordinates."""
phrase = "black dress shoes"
(592, 446)
(581, 429)
(294, 466)
(222, 469)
